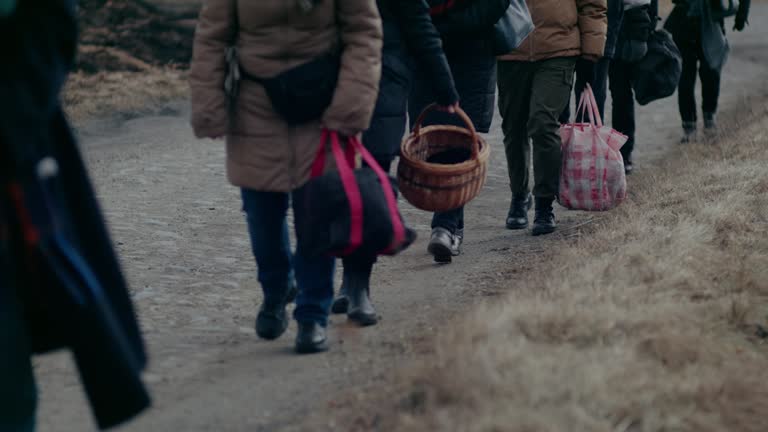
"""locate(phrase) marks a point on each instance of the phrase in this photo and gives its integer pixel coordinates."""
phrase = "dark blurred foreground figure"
(698, 27)
(409, 37)
(60, 283)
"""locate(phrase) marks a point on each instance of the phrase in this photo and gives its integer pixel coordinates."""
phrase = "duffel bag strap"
(352, 190)
(398, 237)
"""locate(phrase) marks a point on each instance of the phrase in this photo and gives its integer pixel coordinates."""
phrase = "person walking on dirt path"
(268, 158)
(466, 29)
(698, 28)
(640, 18)
(596, 74)
(409, 36)
(535, 82)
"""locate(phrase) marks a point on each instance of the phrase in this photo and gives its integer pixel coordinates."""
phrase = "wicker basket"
(440, 187)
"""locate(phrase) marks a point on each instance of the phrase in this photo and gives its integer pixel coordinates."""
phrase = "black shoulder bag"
(300, 94)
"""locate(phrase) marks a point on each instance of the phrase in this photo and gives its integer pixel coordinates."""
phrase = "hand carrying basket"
(442, 187)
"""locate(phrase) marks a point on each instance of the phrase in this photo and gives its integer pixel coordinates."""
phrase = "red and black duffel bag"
(350, 211)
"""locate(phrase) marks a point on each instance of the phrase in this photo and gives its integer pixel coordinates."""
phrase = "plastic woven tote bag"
(592, 176)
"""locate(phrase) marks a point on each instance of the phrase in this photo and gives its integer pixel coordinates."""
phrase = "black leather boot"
(544, 219)
(357, 283)
(341, 302)
(272, 320)
(517, 218)
(311, 338)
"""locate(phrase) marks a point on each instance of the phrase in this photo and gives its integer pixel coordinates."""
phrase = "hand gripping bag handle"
(462, 115)
(588, 104)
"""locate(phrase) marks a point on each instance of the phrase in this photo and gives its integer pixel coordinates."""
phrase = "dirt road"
(183, 243)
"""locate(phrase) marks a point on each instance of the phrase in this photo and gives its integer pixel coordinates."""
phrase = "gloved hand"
(739, 24)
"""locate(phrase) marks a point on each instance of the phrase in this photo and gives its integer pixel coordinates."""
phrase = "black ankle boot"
(517, 218)
(360, 309)
(272, 321)
(311, 338)
(544, 220)
(341, 302)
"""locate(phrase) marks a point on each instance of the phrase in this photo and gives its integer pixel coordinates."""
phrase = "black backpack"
(657, 75)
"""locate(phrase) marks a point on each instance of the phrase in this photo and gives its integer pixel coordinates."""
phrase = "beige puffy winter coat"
(263, 152)
(564, 28)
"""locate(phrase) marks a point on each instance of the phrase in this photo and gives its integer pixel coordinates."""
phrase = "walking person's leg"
(585, 74)
(623, 108)
(447, 235)
(514, 81)
(710, 93)
(354, 295)
(600, 84)
(314, 276)
(268, 229)
(550, 84)
(686, 90)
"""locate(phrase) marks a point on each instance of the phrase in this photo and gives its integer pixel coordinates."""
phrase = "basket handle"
(462, 115)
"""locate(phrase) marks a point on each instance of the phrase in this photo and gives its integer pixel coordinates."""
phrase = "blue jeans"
(277, 265)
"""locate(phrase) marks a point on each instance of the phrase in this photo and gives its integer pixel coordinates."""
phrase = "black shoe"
(628, 168)
(311, 338)
(361, 309)
(544, 220)
(689, 132)
(272, 320)
(341, 302)
(445, 245)
(710, 124)
(517, 218)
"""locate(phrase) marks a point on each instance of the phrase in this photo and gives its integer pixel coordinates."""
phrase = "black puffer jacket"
(472, 61)
(409, 38)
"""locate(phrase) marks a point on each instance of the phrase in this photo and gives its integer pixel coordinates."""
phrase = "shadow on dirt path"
(185, 249)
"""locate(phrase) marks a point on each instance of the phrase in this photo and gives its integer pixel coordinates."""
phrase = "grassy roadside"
(89, 96)
(655, 319)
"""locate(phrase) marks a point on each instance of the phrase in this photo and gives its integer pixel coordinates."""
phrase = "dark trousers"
(594, 74)
(693, 62)
(18, 394)
(364, 264)
(532, 95)
(452, 220)
(623, 104)
(474, 73)
(268, 227)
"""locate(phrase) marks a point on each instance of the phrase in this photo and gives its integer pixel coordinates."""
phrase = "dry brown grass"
(654, 321)
(107, 93)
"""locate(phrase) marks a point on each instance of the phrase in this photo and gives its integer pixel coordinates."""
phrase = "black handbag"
(350, 212)
(512, 28)
(301, 94)
(657, 75)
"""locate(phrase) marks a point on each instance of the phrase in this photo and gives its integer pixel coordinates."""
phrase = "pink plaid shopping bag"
(592, 176)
